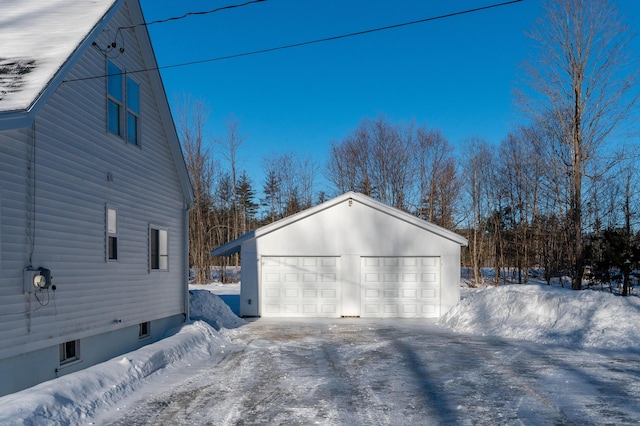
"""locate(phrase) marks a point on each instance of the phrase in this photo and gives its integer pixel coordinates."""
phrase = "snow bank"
(546, 314)
(72, 398)
(209, 307)
(76, 398)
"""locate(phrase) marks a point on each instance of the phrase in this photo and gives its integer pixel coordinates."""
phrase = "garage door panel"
(390, 278)
(329, 309)
(409, 261)
(429, 293)
(309, 293)
(430, 261)
(430, 277)
(329, 277)
(371, 278)
(273, 278)
(409, 309)
(390, 309)
(309, 261)
(400, 287)
(390, 293)
(291, 293)
(291, 308)
(309, 278)
(291, 278)
(272, 292)
(331, 262)
(310, 309)
(300, 286)
(410, 278)
(409, 293)
(329, 293)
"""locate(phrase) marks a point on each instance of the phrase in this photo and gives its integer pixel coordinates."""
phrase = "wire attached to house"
(113, 49)
(309, 42)
(188, 14)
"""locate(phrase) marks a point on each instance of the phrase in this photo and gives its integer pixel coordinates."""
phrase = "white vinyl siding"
(77, 168)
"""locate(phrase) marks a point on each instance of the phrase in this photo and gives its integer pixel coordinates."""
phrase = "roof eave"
(15, 120)
(233, 247)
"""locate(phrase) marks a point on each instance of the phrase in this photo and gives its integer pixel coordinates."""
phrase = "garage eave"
(233, 247)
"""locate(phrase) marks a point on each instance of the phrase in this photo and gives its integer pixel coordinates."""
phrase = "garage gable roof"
(234, 246)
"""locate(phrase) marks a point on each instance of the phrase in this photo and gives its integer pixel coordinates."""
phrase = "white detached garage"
(348, 257)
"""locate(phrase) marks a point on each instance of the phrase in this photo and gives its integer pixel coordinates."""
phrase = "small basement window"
(69, 352)
(144, 330)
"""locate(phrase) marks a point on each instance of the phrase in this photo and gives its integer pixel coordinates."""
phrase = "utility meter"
(42, 279)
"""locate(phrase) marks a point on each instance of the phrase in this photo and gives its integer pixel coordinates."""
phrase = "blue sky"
(455, 74)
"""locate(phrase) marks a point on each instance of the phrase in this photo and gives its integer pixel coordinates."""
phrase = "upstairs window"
(112, 234)
(123, 104)
(115, 98)
(133, 110)
(158, 249)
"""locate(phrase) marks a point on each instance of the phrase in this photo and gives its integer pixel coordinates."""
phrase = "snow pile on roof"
(36, 38)
(545, 314)
(209, 307)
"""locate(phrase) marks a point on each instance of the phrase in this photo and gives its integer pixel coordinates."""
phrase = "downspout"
(185, 260)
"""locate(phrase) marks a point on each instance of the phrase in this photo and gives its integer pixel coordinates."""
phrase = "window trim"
(109, 235)
(113, 99)
(161, 231)
(141, 326)
(63, 358)
(125, 109)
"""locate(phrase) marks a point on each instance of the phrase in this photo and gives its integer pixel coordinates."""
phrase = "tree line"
(557, 195)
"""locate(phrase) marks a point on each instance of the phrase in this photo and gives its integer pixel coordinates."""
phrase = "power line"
(188, 14)
(316, 41)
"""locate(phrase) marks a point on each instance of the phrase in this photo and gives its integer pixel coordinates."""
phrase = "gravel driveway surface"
(396, 372)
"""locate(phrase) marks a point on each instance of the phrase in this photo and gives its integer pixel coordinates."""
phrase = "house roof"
(36, 40)
(233, 247)
(41, 41)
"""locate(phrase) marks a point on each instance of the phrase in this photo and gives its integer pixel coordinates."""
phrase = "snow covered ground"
(553, 317)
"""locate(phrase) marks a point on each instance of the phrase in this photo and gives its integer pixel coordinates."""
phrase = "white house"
(348, 257)
(94, 192)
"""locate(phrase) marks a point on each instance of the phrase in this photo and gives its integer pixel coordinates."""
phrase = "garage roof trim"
(234, 246)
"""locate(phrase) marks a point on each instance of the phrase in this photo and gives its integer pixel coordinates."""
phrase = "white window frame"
(125, 109)
(65, 360)
(162, 249)
(111, 232)
(146, 335)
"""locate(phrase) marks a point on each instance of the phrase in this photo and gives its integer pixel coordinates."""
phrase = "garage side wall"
(249, 291)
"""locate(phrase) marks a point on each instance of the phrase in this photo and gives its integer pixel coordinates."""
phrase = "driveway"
(399, 372)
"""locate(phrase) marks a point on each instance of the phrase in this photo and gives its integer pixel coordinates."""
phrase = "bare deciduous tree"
(580, 91)
(192, 116)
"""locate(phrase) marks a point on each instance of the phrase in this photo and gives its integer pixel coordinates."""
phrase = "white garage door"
(300, 286)
(400, 287)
